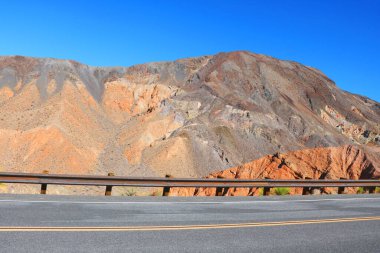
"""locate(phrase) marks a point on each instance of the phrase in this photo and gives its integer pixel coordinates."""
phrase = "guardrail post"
(341, 188)
(166, 190)
(306, 190)
(220, 190)
(109, 187)
(44, 186)
(266, 190)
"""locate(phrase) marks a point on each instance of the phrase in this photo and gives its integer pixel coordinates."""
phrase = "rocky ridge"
(347, 162)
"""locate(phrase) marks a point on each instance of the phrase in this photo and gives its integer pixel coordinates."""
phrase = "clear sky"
(341, 38)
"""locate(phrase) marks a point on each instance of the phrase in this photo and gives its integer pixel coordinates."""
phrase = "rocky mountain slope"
(346, 162)
(187, 118)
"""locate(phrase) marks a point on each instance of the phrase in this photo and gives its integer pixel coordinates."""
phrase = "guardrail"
(220, 184)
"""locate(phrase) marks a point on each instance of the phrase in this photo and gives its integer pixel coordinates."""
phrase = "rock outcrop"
(347, 162)
(187, 118)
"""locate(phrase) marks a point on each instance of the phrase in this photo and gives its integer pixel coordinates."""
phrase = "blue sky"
(341, 38)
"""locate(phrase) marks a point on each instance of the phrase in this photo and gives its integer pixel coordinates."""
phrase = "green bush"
(282, 191)
(377, 190)
(360, 190)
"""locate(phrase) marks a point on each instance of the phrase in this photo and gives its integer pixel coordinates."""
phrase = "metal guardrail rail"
(221, 184)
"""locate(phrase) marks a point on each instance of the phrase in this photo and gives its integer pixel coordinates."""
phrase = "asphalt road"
(34, 223)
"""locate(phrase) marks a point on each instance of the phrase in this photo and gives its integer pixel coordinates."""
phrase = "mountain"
(187, 118)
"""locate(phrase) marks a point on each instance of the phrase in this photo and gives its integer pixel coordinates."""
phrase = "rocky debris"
(349, 162)
(355, 132)
(186, 118)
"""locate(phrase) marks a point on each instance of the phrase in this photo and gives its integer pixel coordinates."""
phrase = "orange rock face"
(347, 162)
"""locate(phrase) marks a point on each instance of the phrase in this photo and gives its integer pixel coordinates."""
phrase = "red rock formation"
(348, 162)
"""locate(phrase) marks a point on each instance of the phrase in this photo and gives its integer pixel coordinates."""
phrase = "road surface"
(35, 223)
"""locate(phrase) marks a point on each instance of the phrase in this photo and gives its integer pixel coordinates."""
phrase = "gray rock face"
(25, 70)
(188, 118)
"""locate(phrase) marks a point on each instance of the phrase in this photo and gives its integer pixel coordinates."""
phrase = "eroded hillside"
(187, 118)
(346, 162)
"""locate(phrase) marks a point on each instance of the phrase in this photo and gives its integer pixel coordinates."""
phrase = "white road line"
(180, 202)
